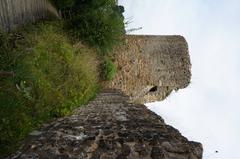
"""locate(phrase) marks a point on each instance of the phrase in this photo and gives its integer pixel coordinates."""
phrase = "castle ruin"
(116, 125)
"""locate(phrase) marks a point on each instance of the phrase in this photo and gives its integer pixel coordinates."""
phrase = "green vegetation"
(109, 70)
(52, 77)
(98, 23)
(49, 72)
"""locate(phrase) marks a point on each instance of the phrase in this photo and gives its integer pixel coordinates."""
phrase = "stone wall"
(109, 128)
(150, 67)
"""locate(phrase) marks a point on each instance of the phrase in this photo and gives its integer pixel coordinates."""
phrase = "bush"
(99, 23)
(52, 77)
(109, 70)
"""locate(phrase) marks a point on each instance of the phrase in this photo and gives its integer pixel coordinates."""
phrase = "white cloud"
(207, 111)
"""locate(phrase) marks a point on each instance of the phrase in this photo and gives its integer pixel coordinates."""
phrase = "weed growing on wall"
(109, 70)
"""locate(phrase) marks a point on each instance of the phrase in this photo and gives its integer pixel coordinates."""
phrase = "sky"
(208, 111)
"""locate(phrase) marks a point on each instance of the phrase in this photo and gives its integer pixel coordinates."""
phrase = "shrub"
(109, 69)
(99, 23)
(52, 77)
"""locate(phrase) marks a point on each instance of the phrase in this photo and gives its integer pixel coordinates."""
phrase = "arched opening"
(153, 89)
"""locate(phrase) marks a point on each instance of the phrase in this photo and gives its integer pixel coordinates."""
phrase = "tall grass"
(51, 78)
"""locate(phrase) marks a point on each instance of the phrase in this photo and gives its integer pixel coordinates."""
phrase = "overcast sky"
(208, 110)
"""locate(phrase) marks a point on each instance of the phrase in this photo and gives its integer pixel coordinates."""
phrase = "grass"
(51, 78)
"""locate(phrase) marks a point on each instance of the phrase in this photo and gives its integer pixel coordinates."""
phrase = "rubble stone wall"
(110, 127)
(150, 67)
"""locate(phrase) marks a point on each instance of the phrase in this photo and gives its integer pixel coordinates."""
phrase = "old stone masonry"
(150, 67)
(110, 127)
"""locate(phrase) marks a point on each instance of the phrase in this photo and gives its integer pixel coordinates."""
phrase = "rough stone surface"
(150, 67)
(110, 127)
